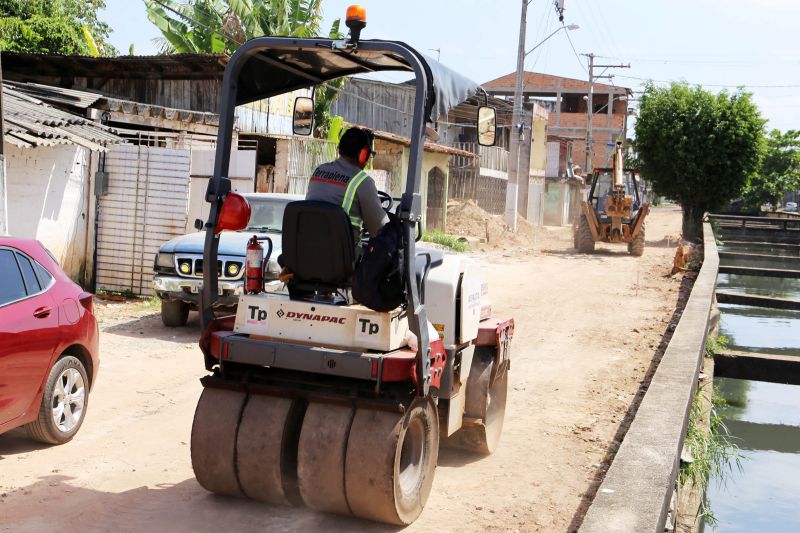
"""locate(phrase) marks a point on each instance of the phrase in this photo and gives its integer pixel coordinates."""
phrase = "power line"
(577, 56)
(722, 85)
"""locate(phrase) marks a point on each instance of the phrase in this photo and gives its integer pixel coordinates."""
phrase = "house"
(568, 119)
(389, 107)
(52, 159)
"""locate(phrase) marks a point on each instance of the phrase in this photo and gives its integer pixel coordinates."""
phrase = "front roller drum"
(485, 405)
(390, 462)
(213, 445)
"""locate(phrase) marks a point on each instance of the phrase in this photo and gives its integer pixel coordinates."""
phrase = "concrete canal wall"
(637, 490)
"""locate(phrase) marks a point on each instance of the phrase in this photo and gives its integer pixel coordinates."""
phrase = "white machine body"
(453, 300)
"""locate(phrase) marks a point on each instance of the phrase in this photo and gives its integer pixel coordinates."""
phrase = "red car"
(48, 344)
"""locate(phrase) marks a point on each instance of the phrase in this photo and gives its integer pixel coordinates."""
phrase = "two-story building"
(567, 101)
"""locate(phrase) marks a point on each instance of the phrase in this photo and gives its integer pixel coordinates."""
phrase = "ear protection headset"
(367, 151)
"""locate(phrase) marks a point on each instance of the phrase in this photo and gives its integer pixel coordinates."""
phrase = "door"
(145, 206)
(28, 333)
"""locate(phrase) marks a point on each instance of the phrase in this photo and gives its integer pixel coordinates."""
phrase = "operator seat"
(318, 248)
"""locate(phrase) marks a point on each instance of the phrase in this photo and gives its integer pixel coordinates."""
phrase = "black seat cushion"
(317, 243)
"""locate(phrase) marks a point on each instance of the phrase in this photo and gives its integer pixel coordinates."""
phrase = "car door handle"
(42, 312)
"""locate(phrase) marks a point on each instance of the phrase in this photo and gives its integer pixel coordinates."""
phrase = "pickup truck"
(179, 263)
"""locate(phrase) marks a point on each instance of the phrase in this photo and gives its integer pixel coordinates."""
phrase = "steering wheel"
(386, 201)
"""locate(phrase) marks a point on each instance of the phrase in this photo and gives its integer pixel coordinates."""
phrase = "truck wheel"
(585, 241)
(174, 313)
(636, 247)
(391, 461)
(64, 402)
(485, 407)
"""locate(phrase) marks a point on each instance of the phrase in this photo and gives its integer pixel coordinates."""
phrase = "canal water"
(763, 419)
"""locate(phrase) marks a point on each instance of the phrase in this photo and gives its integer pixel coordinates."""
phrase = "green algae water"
(763, 419)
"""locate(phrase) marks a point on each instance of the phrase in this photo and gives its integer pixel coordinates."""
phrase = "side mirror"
(487, 126)
(235, 213)
(303, 119)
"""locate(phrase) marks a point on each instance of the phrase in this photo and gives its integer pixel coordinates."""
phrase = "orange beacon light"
(356, 20)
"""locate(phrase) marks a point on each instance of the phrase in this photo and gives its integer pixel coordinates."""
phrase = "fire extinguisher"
(254, 267)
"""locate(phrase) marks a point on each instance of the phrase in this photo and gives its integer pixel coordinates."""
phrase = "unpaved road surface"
(588, 329)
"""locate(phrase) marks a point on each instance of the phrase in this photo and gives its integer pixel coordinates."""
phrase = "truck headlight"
(165, 260)
(232, 269)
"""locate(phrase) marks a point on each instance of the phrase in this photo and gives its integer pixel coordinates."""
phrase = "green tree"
(779, 172)
(54, 26)
(697, 147)
(221, 26)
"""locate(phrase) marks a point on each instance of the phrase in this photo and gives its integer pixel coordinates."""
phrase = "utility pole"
(590, 106)
(517, 126)
(3, 188)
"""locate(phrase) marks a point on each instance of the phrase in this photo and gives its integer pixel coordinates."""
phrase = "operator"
(343, 182)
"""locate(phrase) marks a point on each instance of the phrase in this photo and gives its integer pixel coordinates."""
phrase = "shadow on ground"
(150, 326)
(185, 506)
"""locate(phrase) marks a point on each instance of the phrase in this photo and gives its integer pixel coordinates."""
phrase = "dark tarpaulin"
(273, 71)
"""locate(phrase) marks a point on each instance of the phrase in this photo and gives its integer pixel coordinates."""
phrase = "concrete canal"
(762, 418)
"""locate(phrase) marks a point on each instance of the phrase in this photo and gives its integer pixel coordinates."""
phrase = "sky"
(719, 44)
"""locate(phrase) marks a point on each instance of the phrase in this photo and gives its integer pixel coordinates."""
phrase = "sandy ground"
(588, 331)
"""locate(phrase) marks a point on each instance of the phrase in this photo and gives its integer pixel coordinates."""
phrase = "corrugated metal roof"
(29, 122)
(57, 95)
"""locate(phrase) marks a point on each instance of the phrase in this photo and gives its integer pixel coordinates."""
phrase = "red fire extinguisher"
(254, 267)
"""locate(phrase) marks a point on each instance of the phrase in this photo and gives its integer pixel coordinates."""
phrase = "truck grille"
(194, 266)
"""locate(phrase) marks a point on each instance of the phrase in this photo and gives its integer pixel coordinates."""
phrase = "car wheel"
(174, 313)
(64, 403)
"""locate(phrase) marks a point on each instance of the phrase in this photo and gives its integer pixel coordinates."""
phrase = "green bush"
(449, 241)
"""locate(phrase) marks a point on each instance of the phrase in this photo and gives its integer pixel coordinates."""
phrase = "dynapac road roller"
(313, 398)
(614, 211)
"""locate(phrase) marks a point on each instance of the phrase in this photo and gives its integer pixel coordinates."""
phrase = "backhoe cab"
(614, 211)
(311, 397)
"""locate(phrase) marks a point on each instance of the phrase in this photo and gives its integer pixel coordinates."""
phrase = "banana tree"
(221, 26)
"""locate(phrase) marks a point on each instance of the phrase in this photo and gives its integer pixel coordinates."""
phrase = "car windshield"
(266, 214)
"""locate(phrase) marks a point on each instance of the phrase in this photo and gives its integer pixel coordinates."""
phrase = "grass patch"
(715, 345)
(714, 454)
(127, 294)
(449, 241)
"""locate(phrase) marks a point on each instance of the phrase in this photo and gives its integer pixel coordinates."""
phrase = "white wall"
(49, 200)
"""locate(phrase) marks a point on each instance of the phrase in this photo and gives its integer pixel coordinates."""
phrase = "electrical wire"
(721, 85)
(577, 56)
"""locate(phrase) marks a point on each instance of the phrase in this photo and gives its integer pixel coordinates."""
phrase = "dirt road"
(587, 330)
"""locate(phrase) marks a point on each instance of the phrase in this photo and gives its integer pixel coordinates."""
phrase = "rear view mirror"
(234, 214)
(303, 119)
(487, 126)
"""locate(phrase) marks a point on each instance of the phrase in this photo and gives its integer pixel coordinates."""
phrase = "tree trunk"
(692, 227)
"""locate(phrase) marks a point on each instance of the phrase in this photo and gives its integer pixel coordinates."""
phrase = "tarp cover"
(277, 70)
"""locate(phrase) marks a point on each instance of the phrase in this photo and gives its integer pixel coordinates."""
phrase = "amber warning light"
(356, 20)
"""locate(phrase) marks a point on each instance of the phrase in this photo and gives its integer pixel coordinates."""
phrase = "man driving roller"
(343, 182)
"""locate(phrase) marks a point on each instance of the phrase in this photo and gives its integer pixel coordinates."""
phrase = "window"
(45, 278)
(31, 283)
(12, 287)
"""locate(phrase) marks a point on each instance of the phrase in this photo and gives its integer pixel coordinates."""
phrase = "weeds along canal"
(762, 491)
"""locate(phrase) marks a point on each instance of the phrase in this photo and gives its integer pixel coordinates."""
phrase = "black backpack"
(378, 282)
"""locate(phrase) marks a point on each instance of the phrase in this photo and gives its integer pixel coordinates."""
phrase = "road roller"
(312, 398)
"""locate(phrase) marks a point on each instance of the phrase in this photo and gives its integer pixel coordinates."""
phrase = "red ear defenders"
(367, 151)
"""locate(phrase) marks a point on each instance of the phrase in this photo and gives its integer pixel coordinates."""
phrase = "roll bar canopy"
(280, 69)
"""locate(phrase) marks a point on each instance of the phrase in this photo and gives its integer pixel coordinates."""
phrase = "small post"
(3, 187)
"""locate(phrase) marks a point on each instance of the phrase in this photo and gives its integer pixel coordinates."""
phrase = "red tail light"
(87, 301)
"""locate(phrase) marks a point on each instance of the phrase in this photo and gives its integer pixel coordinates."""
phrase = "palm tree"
(221, 26)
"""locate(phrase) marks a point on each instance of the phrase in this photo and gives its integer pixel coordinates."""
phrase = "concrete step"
(758, 301)
(758, 367)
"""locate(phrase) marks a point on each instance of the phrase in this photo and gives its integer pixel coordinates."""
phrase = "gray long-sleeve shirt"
(331, 182)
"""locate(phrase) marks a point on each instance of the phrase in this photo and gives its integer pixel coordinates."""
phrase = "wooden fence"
(481, 179)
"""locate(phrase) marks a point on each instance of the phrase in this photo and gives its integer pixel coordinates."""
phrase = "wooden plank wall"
(146, 205)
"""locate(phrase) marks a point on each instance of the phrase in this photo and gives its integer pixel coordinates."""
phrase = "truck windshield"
(266, 214)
